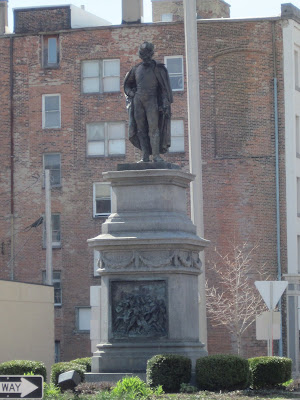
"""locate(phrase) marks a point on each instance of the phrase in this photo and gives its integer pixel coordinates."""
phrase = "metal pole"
(49, 271)
(193, 101)
(270, 341)
(272, 306)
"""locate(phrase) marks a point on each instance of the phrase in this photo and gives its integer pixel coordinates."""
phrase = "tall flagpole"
(193, 100)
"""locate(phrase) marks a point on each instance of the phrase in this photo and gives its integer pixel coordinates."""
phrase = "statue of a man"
(149, 97)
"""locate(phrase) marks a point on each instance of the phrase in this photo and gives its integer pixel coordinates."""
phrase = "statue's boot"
(145, 149)
(155, 148)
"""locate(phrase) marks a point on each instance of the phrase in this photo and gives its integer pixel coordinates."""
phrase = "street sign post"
(21, 387)
(263, 324)
(271, 292)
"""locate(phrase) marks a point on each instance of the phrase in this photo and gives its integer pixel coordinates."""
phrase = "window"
(50, 51)
(177, 136)
(57, 287)
(297, 132)
(296, 68)
(174, 65)
(57, 351)
(83, 319)
(100, 76)
(51, 111)
(298, 249)
(104, 139)
(298, 197)
(167, 17)
(101, 199)
(56, 242)
(52, 161)
(96, 258)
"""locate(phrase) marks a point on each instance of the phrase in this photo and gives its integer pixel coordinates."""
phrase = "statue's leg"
(142, 128)
(154, 134)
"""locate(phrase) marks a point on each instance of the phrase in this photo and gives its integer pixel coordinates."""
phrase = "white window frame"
(55, 244)
(95, 214)
(298, 196)
(77, 310)
(298, 254)
(297, 67)
(101, 76)
(297, 134)
(173, 74)
(44, 165)
(180, 136)
(106, 139)
(44, 111)
(46, 51)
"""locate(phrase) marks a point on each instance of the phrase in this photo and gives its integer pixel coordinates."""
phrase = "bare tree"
(234, 300)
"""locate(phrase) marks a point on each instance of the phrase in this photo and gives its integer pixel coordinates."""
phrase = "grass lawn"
(239, 395)
(242, 395)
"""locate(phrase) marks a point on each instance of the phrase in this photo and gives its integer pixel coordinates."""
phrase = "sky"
(111, 9)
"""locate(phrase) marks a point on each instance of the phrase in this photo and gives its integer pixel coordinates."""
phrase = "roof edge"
(289, 11)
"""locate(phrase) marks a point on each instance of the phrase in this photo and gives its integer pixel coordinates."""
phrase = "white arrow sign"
(24, 387)
(271, 291)
(20, 386)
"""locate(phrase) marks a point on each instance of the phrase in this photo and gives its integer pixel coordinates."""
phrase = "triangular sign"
(265, 288)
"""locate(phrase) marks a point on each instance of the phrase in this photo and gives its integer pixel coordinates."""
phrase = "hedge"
(268, 372)
(62, 367)
(86, 362)
(169, 371)
(21, 367)
(222, 372)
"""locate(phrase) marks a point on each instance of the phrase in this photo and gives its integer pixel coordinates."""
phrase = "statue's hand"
(166, 104)
(131, 93)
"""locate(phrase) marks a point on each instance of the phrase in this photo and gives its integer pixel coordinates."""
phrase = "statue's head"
(146, 51)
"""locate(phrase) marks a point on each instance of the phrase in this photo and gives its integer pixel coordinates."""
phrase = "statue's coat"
(164, 89)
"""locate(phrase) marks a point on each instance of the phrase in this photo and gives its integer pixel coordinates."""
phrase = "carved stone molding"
(139, 260)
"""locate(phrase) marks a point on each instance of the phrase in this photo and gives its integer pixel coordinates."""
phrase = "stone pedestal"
(148, 301)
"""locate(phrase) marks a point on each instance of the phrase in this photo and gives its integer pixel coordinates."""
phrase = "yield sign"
(21, 387)
(271, 291)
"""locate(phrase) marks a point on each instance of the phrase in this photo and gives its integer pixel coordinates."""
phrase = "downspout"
(12, 206)
(280, 349)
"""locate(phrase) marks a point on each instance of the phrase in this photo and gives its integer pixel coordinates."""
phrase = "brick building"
(63, 109)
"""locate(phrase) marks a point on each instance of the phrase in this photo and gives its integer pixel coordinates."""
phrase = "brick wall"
(5, 151)
(205, 9)
(43, 19)
(237, 122)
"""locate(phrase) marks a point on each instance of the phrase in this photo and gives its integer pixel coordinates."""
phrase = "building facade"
(291, 46)
(28, 331)
(63, 109)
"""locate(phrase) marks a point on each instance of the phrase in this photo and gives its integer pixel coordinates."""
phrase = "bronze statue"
(149, 97)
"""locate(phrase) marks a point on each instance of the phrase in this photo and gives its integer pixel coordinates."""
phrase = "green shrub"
(21, 367)
(134, 388)
(267, 372)
(61, 367)
(187, 388)
(51, 392)
(86, 362)
(222, 372)
(93, 387)
(169, 371)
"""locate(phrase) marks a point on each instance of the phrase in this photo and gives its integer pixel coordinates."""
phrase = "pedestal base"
(149, 264)
(133, 357)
